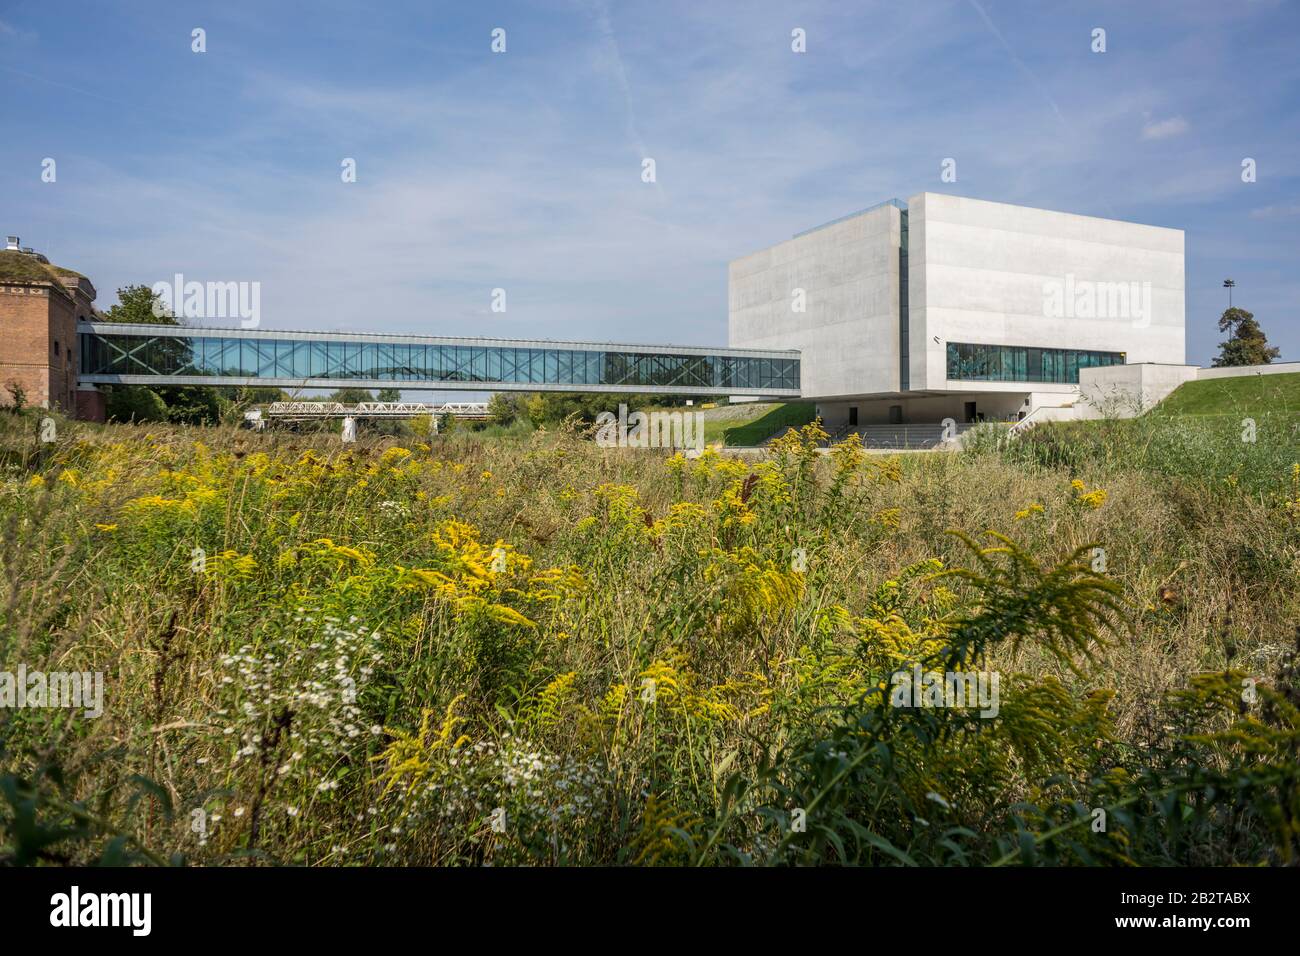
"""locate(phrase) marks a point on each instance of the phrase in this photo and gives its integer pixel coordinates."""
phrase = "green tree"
(350, 396)
(503, 408)
(191, 405)
(389, 395)
(537, 409)
(1246, 343)
(19, 395)
(139, 304)
(246, 395)
(136, 403)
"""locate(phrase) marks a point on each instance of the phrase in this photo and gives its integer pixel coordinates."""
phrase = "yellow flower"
(890, 518)
(326, 548)
(159, 503)
(1033, 509)
(36, 481)
(486, 476)
(232, 564)
(1089, 499)
(106, 527)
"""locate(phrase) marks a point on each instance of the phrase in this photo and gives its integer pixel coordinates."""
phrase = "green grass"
(362, 655)
(20, 267)
(1231, 396)
(741, 433)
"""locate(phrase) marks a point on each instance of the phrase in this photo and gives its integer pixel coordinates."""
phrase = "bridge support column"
(349, 430)
(92, 404)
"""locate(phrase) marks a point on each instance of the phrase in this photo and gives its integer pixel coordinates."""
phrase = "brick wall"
(38, 340)
(26, 357)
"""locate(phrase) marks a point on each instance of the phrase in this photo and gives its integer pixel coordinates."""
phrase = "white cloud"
(1278, 211)
(1163, 129)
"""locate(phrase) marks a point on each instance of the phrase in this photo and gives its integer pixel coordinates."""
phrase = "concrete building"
(946, 307)
(40, 306)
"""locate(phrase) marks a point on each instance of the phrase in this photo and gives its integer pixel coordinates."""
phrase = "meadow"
(525, 649)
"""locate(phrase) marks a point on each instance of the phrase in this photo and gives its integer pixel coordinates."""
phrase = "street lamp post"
(1229, 284)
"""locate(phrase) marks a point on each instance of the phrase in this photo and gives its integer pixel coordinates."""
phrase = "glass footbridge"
(119, 353)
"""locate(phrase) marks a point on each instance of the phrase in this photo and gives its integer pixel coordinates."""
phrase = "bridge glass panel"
(245, 357)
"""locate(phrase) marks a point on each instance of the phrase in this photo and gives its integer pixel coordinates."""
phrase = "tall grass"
(518, 649)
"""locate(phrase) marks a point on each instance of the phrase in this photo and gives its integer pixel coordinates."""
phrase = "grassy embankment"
(752, 424)
(1253, 394)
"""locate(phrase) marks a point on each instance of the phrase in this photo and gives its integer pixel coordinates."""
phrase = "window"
(1015, 363)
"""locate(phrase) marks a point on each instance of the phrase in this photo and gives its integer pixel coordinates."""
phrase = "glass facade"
(1014, 363)
(299, 360)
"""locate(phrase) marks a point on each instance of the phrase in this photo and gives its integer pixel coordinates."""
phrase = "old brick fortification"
(40, 305)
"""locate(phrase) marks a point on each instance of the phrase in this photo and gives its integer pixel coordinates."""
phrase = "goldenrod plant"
(523, 648)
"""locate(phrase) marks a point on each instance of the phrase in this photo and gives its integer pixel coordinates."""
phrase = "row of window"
(302, 360)
(1014, 363)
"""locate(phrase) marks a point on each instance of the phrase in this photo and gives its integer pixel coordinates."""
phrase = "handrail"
(303, 410)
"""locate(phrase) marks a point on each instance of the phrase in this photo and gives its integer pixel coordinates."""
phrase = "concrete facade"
(1123, 391)
(972, 272)
(845, 278)
(989, 273)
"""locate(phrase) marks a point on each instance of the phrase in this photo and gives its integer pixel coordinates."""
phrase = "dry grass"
(504, 684)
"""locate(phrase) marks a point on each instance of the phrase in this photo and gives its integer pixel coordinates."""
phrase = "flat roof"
(896, 203)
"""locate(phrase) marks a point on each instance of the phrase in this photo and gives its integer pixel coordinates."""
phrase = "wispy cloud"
(1019, 63)
(1165, 128)
(1279, 211)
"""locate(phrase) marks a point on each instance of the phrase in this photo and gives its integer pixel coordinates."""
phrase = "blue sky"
(523, 170)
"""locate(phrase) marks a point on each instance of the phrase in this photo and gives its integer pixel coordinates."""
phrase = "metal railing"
(917, 436)
(307, 411)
